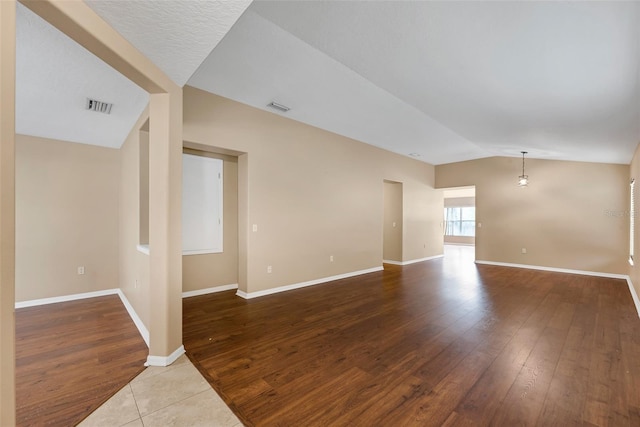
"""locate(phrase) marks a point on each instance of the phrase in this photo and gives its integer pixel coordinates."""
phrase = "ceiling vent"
(99, 106)
(279, 107)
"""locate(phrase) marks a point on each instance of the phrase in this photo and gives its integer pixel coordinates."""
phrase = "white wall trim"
(554, 269)
(212, 290)
(634, 295)
(65, 298)
(201, 252)
(249, 295)
(164, 361)
(413, 261)
(144, 332)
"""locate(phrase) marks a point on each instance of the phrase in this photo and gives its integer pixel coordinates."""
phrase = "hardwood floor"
(442, 342)
(71, 357)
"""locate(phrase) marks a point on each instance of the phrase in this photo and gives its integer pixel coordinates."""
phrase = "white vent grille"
(279, 107)
(99, 106)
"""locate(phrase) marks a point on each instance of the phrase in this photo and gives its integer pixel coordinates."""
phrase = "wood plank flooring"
(71, 357)
(442, 342)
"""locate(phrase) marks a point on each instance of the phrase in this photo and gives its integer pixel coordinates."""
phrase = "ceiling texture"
(442, 81)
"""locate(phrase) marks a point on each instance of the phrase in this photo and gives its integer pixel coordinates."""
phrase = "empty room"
(319, 213)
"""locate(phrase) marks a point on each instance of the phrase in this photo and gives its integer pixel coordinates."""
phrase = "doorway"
(392, 228)
(459, 225)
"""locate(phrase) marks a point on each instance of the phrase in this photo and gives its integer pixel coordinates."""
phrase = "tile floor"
(175, 395)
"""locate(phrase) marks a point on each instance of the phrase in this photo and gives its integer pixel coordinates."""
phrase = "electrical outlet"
(330, 258)
(255, 228)
(80, 270)
(524, 250)
(269, 269)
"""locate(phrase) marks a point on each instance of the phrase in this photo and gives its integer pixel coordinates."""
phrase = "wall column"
(165, 229)
(77, 20)
(7, 211)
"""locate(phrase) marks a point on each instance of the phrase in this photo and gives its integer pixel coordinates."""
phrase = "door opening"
(459, 225)
(392, 228)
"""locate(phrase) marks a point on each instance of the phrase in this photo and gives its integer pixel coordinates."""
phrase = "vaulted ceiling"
(442, 81)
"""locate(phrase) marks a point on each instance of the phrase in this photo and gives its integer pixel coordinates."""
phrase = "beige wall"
(165, 223)
(136, 268)
(563, 218)
(7, 211)
(66, 217)
(459, 201)
(634, 271)
(422, 206)
(311, 194)
(392, 239)
(199, 271)
(134, 265)
(143, 184)
(210, 270)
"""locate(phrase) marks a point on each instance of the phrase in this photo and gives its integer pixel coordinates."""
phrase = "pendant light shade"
(523, 180)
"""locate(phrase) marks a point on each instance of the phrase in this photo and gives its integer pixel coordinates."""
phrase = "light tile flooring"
(175, 395)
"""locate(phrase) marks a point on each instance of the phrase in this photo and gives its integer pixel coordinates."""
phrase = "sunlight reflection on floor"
(459, 263)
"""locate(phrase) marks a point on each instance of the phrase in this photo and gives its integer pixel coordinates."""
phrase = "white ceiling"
(176, 35)
(449, 81)
(55, 75)
(54, 78)
(259, 62)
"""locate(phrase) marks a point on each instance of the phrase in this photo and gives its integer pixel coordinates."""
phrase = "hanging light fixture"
(523, 180)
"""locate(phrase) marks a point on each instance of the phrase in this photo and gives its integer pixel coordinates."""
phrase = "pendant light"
(523, 180)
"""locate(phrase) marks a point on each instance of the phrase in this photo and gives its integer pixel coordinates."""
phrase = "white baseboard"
(144, 332)
(209, 290)
(556, 270)
(634, 295)
(249, 295)
(65, 298)
(413, 261)
(164, 361)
